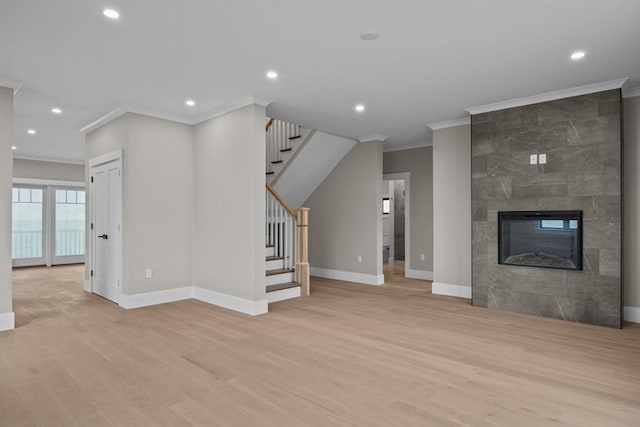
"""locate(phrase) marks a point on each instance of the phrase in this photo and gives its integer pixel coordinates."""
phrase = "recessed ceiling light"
(110, 13)
(359, 108)
(14, 147)
(31, 131)
(369, 36)
(56, 110)
(190, 102)
(272, 75)
(579, 54)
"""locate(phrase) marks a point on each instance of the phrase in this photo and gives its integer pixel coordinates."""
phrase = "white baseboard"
(632, 314)
(156, 297)
(459, 291)
(283, 294)
(87, 286)
(418, 274)
(193, 292)
(348, 276)
(7, 321)
(231, 302)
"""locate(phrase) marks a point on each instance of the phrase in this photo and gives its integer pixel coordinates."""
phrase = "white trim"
(348, 276)
(407, 213)
(106, 158)
(156, 297)
(631, 92)
(418, 274)
(7, 321)
(231, 302)
(48, 182)
(17, 156)
(632, 314)
(459, 291)
(283, 294)
(549, 96)
(188, 120)
(408, 147)
(16, 85)
(450, 123)
(373, 138)
(87, 286)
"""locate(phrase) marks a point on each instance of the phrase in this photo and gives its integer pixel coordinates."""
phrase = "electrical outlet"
(149, 273)
(359, 258)
(421, 257)
(533, 159)
(542, 159)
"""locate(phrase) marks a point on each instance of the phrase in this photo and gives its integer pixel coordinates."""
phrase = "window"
(48, 225)
(558, 224)
(386, 206)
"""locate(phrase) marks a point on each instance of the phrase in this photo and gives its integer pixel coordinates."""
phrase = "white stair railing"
(278, 134)
(281, 228)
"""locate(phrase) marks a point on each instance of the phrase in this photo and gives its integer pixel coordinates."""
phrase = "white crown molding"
(16, 85)
(215, 112)
(631, 92)
(438, 288)
(373, 138)
(549, 96)
(408, 147)
(47, 159)
(450, 123)
(227, 108)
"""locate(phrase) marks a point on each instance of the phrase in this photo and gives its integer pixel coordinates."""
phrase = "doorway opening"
(48, 223)
(395, 224)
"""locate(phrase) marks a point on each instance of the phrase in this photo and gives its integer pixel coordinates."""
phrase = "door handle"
(103, 236)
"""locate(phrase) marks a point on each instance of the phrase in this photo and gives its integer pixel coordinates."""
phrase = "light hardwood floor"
(349, 355)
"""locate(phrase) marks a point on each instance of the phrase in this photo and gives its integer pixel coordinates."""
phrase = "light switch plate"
(542, 159)
(533, 159)
(149, 273)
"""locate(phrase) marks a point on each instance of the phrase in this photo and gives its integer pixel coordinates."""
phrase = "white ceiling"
(432, 60)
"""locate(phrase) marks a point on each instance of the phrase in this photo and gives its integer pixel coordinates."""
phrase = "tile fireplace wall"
(582, 138)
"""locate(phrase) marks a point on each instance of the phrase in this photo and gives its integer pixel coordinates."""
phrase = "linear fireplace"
(550, 239)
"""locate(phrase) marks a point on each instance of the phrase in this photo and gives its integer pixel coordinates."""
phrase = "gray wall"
(632, 202)
(6, 166)
(418, 162)
(56, 171)
(229, 204)
(158, 198)
(582, 139)
(344, 216)
(452, 207)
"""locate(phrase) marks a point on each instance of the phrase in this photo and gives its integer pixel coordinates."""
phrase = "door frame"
(112, 157)
(46, 243)
(48, 185)
(406, 176)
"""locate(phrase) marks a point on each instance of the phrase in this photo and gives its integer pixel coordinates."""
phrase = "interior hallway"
(356, 355)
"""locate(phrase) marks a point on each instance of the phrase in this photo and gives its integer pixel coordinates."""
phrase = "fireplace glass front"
(550, 239)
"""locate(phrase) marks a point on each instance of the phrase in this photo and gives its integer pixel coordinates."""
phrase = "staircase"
(287, 266)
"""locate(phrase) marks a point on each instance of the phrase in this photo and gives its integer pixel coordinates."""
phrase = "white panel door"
(106, 234)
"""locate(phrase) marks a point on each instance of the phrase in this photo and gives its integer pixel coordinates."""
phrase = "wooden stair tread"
(295, 137)
(274, 258)
(285, 150)
(282, 286)
(279, 271)
(269, 173)
(269, 245)
(276, 161)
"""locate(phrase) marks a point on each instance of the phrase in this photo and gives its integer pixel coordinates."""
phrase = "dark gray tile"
(594, 183)
(594, 130)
